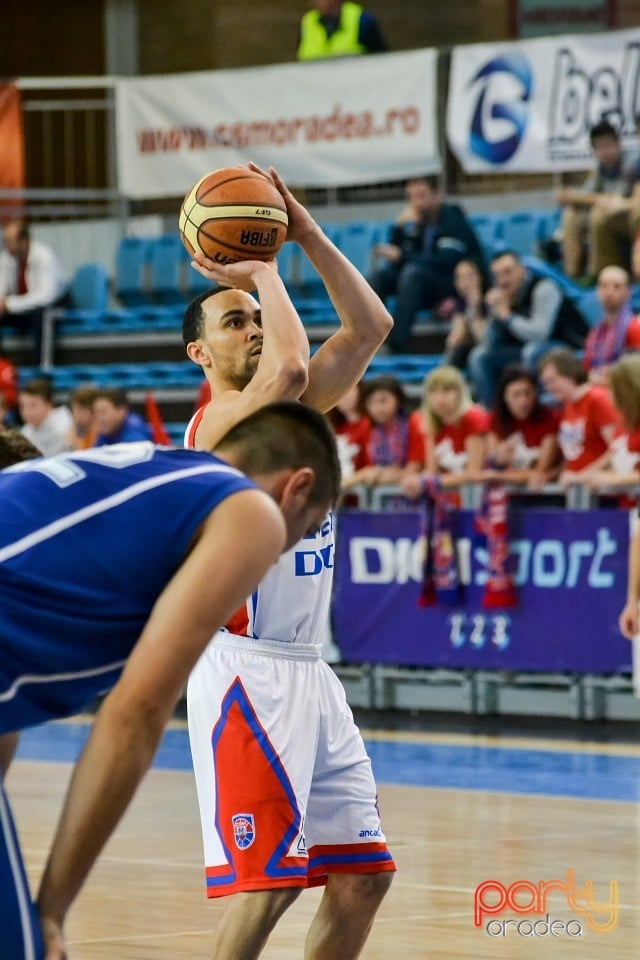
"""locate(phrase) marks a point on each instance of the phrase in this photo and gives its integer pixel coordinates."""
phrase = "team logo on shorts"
(244, 830)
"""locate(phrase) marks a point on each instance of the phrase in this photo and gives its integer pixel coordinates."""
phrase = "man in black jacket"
(427, 241)
(529, 315)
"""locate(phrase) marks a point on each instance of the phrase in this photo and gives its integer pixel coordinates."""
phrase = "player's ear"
(197, 353)
(298, 488)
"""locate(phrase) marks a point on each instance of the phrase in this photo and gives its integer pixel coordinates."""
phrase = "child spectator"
(522, 442)
(456, 431)
(396, 439)
(619, 329)
(588, 418)
(44, 425)
(352, 428)
(83, 433)
(114, 421)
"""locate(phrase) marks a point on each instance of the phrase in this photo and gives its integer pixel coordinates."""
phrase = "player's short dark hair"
(287, 434)
(193, 319)
(603, 129)
(14, 448)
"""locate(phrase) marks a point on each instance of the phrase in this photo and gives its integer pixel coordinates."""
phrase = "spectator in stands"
(83, 433)
(44, 425)
(338, 28)
(529, 315)
(469, 321)
(602, 217)
(623, 468)
(619, 329)
(522, 443)
(31, 280)
(456, 432)
(395, 446)
(427, 241)
(114, 421)
(588, 419)
(352, 428)
(8, 387)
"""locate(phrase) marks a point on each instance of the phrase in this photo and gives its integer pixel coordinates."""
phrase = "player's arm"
(239, 541)
(364, 320)
(281, 373)
(629, 620)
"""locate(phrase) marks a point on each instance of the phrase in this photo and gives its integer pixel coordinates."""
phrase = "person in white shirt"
(31, 279)
(45, 425)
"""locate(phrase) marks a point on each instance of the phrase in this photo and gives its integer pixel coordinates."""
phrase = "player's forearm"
(116, 757)
(360, 309)
(285, 348)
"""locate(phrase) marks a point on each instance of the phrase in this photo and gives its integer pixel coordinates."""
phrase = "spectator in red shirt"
(623, 469)
(522, 442)
(588, 419)
(352, 428)
(395, 446)
(456, 431)
(8, 385)
(619, 329)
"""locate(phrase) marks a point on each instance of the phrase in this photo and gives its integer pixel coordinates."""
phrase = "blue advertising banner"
(570, 570)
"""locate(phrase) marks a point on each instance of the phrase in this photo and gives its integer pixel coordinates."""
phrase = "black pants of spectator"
(417, 286)
(27, 324)
(30, 324)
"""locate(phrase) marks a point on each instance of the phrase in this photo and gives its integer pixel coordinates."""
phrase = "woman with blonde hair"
(623, 468)
(456, 431)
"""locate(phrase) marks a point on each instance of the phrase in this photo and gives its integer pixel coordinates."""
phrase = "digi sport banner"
(528, 107)
(354, 120)
(570, 571)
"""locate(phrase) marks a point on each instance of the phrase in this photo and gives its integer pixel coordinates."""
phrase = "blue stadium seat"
(357, 240)
(635, 297)
(589, 306)
(521, 231)
(89, 292)
(132, 261)
(168, 262)
(488, 229)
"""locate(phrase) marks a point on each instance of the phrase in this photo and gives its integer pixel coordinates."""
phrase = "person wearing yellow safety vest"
(334, 28)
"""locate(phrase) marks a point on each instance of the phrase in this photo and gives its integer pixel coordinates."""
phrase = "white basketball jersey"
(292, 603)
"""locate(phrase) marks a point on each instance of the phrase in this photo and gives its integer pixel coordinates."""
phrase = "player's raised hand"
(301, 223)
(241, 275)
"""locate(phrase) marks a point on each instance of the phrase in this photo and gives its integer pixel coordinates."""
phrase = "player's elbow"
(293, 379)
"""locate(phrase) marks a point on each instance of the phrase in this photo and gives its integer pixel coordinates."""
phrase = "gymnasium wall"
(39, 38)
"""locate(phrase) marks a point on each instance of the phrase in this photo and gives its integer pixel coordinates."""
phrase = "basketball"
(233, 214)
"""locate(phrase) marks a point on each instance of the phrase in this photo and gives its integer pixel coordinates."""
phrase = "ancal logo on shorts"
(501, 112)
(244, 830)
(492, 897)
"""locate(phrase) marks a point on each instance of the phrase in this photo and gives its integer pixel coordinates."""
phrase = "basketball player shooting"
(286, 791)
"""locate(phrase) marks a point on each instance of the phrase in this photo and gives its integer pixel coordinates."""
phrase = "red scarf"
(492, 520)
(441, 583)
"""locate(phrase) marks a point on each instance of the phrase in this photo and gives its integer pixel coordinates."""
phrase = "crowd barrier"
(557, 650)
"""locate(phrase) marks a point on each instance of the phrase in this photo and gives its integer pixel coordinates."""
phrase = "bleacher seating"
(153, 281)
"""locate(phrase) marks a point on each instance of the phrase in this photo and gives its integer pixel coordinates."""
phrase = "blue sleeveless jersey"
(88, 541)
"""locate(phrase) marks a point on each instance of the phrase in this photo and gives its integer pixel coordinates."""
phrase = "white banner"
(529, 106)
(348, 121)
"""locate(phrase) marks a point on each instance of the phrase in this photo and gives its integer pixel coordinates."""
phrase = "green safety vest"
(314, 42)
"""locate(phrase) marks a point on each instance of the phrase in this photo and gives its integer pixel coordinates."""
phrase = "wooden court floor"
(519, 811)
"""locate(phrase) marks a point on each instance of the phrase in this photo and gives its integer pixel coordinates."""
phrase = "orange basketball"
(233, 214)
